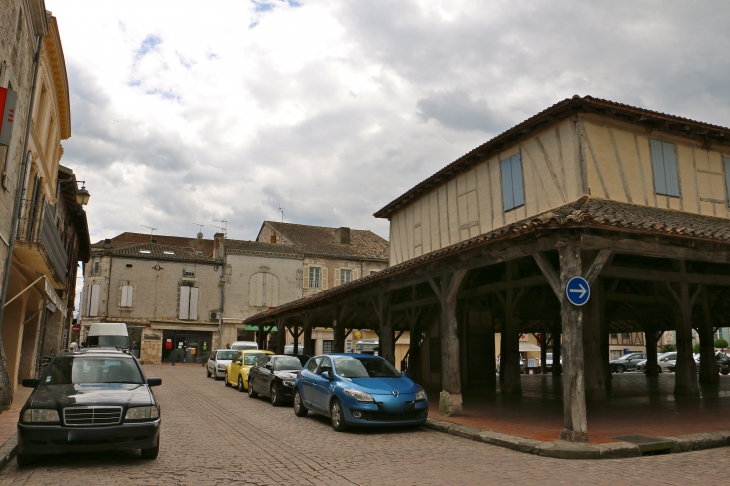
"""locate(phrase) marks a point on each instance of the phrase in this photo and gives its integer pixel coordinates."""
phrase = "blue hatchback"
(358, 389)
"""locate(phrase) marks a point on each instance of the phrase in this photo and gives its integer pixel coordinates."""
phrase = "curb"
(8, 450)
(562, 449)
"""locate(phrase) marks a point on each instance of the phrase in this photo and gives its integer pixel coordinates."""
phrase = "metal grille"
(84, 416)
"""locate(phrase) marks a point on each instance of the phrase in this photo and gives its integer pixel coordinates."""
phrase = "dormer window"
(189, 271)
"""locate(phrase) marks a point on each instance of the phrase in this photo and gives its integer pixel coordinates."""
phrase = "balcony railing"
(313, 283)
(37, 224)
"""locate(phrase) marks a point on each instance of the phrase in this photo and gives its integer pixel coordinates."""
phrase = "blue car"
(358, 389)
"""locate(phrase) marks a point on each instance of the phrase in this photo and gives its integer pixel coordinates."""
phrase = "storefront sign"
(156, 337)
(168, 343)
(65, 338)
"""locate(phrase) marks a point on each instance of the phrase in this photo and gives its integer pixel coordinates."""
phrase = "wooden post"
(386, 344)
(260, 337)
(708, 366)
(295, 334)
(414, 353)
(489, 349)
(510, 362)
(685, 374)
(446, 291)
(308, 345)
(650, 338)
(594, 370)
(557, 350)
(280, 335)
(574, 403)
(605, 332)
(543, 352)
(338, 329)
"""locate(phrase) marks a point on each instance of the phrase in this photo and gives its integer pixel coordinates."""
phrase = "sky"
(190, 112)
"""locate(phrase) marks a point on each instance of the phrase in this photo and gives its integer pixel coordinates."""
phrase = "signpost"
(75, 328)
(8, 101)
(578, 291)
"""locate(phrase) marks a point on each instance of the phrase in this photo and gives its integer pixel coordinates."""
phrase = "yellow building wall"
(587, 154)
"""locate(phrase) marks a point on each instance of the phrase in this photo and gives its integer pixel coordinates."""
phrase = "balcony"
(38, 244)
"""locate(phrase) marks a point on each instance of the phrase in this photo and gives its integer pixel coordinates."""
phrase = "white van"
(107, 335)
(367, 346)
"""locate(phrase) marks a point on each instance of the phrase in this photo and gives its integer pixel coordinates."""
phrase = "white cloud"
(186, 112)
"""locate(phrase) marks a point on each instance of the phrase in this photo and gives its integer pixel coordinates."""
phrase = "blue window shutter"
(727, 179)
(518, 192)
(670, 169)
(657, 161)
(507, 185)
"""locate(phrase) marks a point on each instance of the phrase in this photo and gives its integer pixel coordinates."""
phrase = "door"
(307, 377)
(320, 386)
(191, 351)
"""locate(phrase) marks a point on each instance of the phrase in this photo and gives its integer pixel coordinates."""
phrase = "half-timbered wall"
(587, 154)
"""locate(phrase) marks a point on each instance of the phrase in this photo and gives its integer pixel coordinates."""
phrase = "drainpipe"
(21, 183)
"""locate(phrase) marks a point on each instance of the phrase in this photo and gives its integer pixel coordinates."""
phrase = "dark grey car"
(627, 362)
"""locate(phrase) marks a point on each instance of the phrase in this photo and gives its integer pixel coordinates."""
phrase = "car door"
(211, 362)
(321, 386)
(307, 375)
(260, 380)
(235, 368)
(267, 374)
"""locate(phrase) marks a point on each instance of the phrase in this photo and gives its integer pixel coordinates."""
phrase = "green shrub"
(696, 348)
(721, 343)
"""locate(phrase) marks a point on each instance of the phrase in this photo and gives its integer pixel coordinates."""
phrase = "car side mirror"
(404, 373)
(31, 382)
(154, 381)
(327, 376)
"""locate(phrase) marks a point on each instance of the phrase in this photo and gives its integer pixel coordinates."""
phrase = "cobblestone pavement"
(213, 434)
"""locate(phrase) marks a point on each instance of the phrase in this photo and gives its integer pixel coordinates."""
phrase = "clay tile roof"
(319, 240)
(206, 246)
(155, 251)
(585, 212)
(560, 110)
(258, 246)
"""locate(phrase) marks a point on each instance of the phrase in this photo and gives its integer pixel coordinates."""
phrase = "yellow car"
(237, 371)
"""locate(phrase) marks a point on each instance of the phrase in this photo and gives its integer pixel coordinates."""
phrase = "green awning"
(256, 328)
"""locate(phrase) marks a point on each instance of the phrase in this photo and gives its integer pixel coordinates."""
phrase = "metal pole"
(21, 183)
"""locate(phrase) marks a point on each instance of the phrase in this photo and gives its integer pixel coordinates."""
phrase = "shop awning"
(256, 328)
(526, 346)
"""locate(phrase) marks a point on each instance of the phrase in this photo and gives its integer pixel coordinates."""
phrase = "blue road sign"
(578, 291)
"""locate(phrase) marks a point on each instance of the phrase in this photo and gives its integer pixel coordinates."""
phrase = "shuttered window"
(188, 303)
(92, 308)
(345, 276)
(315, 281)
(125, 299)
(664, 161)
(512, 189)
(727, 179)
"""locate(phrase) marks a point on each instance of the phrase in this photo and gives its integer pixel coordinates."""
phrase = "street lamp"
(82, 195)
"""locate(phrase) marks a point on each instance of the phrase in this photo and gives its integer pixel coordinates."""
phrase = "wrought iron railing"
(37, 224)
(313, 283)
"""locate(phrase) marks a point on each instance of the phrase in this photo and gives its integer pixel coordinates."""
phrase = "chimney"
(342, 236)
(107, 243)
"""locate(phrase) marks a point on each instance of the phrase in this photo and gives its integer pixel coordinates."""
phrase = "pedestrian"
(74, 346)
(228, 345)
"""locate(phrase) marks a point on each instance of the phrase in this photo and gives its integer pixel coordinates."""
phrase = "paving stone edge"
(561, 449)
(8, 450)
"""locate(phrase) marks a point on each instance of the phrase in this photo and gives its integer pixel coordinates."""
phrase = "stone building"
(51, 234)
(168, 295)
(633, 201)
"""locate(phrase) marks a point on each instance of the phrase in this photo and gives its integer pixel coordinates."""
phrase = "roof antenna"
(200, 233)
(224, 227)
(152, 230)
(282, 213)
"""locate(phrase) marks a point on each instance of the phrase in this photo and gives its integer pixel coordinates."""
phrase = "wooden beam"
(627, 273)
(548, 271)
(650, 247)
(636, 298)
(596, 266)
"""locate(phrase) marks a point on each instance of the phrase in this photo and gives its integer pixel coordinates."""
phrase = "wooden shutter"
(337, 277)
(657, 162)
(130, 292)
(193, 303)
(95, 289)
(507, 196)
(355, 275)
(324, 278)
(88, 300)
(518, 193)
(184, 302)
(305, 277)
(727, 179)
(123, 296)
(670, 169)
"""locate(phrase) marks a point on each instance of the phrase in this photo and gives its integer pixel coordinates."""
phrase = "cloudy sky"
(188, 112)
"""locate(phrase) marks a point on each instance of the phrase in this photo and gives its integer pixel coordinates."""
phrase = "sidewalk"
(8, 425)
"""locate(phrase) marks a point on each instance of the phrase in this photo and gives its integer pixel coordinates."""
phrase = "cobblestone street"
(215, 435)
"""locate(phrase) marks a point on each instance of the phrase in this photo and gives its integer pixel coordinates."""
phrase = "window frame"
(318, 280)
(343, 272)
(510, 168)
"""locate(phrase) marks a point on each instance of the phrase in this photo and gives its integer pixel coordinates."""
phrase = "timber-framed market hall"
(633, 201)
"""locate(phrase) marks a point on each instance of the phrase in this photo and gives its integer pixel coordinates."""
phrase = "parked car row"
(722, 359)
(350, 389)
(663, 361)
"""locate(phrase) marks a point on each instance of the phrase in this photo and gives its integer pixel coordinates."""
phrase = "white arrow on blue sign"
(578, 291)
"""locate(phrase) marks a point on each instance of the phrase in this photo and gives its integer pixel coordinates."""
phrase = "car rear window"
(249, 359)
(226, 355)
(82, 370)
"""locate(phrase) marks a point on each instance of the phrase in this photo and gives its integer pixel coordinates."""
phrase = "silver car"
(217, 362)
(662, 360)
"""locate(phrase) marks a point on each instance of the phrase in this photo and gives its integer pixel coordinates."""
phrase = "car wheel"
(25, 459)
(151, 453)
(725, 372)
(620, 369)
(275, 398)
(228, 383)
(240, 384)
(300, 410)
(251, 393)
(337, 415)
(207, 372)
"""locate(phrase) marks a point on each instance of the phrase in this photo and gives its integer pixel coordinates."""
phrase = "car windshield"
(549, 356)
(365, 368)
(223, 355)
(287, 364)
(249, 359)
(239, 347)
(107, 341)
(83, 370)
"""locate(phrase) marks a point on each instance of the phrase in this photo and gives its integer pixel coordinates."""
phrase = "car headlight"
(361, 397)
(40, 415)
(221, 366)
(289, 383)
(421, 394)
(142, 413)
(247, 372)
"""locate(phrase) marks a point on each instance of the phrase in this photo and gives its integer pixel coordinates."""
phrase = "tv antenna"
(282, 213)
(224, 227)
(152, 230)
(200, 233)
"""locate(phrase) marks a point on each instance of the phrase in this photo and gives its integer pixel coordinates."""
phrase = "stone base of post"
(450, 404)
(573, 436)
